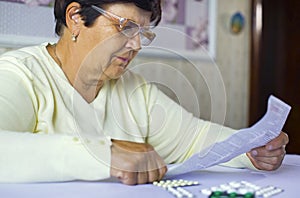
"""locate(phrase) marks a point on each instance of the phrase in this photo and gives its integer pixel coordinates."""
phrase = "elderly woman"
(72, 111)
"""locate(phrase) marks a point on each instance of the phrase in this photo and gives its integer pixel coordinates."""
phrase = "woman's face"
(109, 51)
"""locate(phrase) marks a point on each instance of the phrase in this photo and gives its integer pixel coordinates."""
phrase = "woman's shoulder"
(23, 61)
(24, 58)
(22, 53)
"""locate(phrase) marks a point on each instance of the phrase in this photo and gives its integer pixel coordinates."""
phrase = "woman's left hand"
(270, 156)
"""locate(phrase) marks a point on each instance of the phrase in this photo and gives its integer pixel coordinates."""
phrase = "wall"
(233, 58)
(232, 61)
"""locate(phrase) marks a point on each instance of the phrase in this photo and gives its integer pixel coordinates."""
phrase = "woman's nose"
(134, 43)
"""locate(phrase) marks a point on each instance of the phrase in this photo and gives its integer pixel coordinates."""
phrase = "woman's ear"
(73, 18)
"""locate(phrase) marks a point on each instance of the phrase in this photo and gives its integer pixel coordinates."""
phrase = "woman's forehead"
(130, 11)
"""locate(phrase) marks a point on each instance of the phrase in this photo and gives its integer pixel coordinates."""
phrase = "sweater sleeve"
(28, 156)
(176, 134)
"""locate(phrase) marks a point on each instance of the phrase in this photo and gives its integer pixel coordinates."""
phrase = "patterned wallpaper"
(33, 2)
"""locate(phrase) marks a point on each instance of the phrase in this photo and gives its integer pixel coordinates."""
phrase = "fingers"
(268, 163)
(142, 177)
(156, 167)
(162, 171)
(136, 163)
(158, 174)
(128, 178)
(286, 138)
(278, 142)
(270, 156)
(270, 160)
(268, 166)
(276, 147)
(153, 175)
(264, 159)
(132, 178)
(264, 152)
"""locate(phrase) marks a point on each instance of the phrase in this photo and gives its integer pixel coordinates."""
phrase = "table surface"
(286, 177)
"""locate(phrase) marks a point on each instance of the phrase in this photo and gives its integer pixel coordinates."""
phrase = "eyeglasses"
(128, 27)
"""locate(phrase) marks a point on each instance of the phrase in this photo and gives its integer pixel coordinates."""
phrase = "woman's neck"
(71, 68)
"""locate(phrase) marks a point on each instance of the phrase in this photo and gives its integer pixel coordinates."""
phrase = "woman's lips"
(123, 59)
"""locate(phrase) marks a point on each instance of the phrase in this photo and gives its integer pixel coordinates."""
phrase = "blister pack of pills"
(242, 189)
(234, 189)
(175, 187)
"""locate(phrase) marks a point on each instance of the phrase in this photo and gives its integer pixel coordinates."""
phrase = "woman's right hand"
(136, 163)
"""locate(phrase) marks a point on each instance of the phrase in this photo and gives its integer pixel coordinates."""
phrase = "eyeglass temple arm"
(110, 15)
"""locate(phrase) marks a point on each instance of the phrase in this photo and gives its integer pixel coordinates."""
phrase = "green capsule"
(249, 195)
(217, 193)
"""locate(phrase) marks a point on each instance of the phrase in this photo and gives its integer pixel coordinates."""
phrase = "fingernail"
(254, 152)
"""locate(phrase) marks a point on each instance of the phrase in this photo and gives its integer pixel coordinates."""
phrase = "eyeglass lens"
(131, 29)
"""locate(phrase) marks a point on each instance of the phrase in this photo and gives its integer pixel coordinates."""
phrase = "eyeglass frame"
(121, 21)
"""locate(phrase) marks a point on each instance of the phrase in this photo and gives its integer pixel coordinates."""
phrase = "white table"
(287, 177)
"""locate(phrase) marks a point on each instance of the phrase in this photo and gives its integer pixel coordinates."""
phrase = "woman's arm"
(176, 134)
(30, 156)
